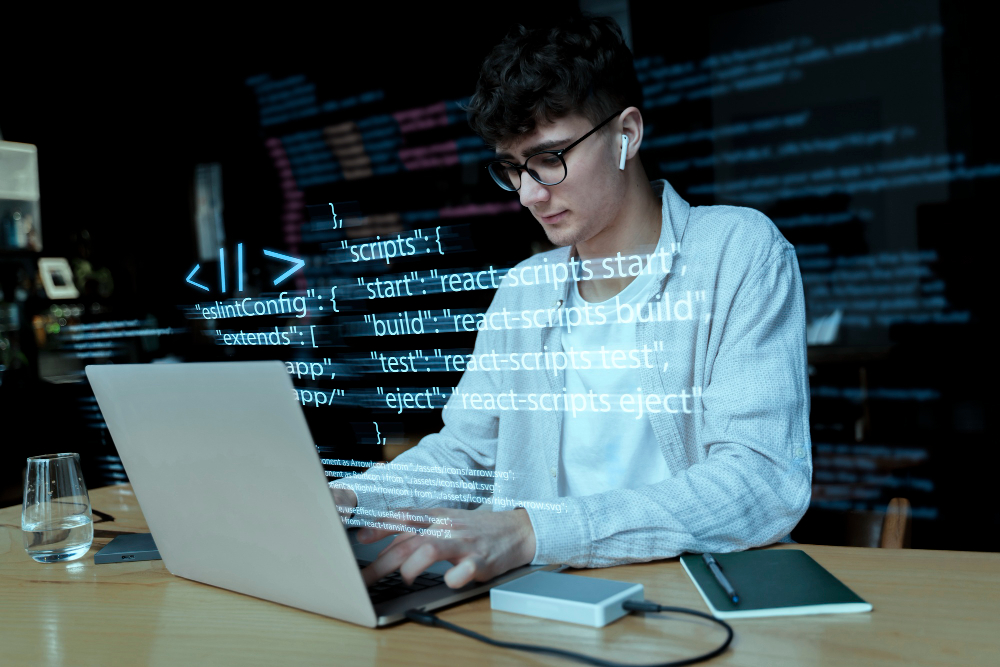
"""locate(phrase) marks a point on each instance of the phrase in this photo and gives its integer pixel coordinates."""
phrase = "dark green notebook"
(772, 582)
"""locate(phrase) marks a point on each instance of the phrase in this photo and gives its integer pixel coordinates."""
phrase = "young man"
(640, 391)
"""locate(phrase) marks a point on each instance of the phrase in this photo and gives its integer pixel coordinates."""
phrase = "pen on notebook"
(713, 566)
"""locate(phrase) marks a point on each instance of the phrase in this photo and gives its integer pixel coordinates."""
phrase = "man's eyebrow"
(531, 150)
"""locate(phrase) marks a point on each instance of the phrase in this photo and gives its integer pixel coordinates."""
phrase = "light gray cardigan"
(740, 463)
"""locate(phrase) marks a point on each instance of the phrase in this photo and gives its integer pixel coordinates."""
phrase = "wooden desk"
(931, 608)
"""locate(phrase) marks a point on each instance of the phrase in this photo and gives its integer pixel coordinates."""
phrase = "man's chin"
(559, 237)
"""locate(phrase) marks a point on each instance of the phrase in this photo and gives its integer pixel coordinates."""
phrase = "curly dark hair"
(580, 65)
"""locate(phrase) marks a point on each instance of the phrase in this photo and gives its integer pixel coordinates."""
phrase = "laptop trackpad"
(368, 552)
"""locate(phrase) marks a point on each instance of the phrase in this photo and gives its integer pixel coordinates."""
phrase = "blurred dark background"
(866, 131)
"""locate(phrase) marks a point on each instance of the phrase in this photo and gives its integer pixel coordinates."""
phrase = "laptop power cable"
(574, 599)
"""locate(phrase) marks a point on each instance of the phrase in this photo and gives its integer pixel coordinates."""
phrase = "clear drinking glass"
(55, 519)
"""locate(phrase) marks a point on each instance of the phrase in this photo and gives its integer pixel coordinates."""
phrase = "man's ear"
(631, 124)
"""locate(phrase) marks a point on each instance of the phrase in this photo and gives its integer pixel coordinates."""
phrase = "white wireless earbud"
(621, 163)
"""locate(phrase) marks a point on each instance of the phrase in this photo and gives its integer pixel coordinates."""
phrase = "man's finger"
(466, 571)
(428, 553)
(390, 559)
(412, 524)
(402, 537)
(368, 535)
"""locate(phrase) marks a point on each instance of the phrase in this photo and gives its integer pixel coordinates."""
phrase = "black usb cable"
(630, 605)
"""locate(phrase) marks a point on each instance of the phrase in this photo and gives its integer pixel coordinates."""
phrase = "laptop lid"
(224, 467)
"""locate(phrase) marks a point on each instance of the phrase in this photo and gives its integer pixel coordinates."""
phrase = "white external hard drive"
(566, 597)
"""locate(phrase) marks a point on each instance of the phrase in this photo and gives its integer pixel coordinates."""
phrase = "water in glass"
(55, 519)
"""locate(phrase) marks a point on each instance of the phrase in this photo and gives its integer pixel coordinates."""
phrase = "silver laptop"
(226, 473)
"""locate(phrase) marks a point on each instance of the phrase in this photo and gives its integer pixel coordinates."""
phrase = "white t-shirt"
(603, 450)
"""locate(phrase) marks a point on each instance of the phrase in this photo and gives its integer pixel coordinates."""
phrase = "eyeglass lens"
(546, 168)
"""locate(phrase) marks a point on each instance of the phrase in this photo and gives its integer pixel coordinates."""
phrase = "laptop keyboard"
(392, 586)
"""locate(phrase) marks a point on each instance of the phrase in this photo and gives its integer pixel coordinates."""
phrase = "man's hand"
(480, 544)
(345, 500)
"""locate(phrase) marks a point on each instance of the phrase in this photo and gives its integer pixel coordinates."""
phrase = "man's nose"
(531, 191)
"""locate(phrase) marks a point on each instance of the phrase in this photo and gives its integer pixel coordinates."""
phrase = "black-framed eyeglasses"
(546, 167)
